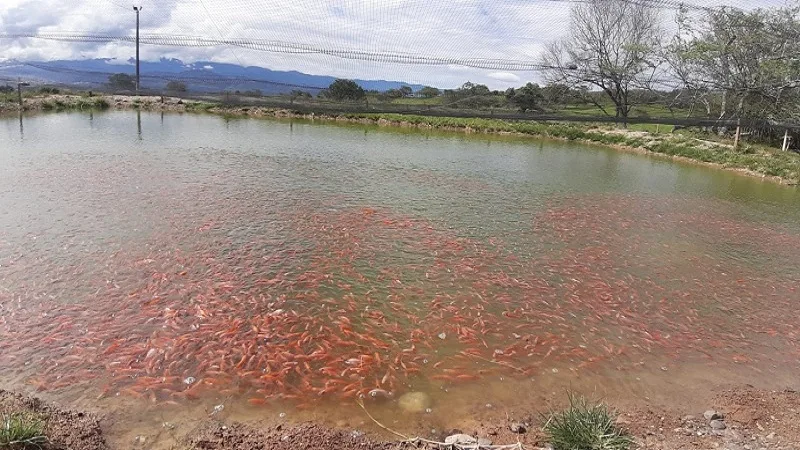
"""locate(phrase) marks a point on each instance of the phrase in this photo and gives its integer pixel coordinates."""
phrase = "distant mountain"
(201, 76)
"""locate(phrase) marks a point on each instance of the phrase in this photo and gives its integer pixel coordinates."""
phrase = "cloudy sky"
(497, 29)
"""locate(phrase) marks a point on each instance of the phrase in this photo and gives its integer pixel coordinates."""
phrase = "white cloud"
(506, 77)
(494, 29)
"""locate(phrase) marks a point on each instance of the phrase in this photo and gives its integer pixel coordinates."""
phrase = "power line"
(203, 4)
(285, 47)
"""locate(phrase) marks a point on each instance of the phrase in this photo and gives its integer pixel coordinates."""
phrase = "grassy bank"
(754, 159)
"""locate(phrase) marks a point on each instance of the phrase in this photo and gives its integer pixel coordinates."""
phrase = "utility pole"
(137, 9)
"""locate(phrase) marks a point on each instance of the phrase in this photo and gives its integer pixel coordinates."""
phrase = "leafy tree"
(527, 98)
(406, 91)
(122, 81)
(342, 89)
(471, 95)
(176, 86)
(429, 92)
(612, 47)
(394, 93)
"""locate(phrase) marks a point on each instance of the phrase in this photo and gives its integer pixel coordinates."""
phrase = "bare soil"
(754, 419)
(65, 429)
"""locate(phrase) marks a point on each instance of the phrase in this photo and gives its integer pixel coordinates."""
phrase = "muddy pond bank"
(746, 418)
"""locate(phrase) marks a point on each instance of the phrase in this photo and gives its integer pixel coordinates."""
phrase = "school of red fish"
(366, 299)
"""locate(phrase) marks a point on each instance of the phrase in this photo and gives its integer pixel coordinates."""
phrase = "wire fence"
(252, 52)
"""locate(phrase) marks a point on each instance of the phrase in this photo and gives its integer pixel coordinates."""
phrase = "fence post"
(738, 133)
(785, 145)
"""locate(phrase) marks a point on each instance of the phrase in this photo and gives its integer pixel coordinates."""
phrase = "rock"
(771, 436)
(517, 427)
(712, 415)
(460, 439)
(483, 442)
(442, 336)
(689, 418)
(718, 424)
(414, 402)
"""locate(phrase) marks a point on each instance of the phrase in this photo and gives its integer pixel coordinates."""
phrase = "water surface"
(159, 266)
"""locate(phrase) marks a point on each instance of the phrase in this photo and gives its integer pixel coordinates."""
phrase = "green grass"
(200, 106)
(651, 127)
(21, 430)
(418, 101)
(585, 426)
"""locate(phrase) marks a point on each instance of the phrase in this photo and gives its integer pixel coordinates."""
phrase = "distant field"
(417, 101)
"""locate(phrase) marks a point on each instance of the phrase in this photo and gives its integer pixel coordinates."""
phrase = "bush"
(49, 90)
(20, 430)
(583, 426)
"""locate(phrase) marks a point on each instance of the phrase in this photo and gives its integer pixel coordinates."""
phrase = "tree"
(176, 86)
(557, 94)
(122, 81)
(429, 92)
(298, 94)
(406, 91)
(612, 47)
(394, 93)
(471, 95)
(527, 98)
(345, 90)
(739, 63)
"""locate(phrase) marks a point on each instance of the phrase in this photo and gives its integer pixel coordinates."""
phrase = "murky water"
(158, 266)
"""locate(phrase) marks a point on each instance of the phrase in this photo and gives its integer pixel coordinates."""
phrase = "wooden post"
(738, 134)
(785, 145)
(20, 85)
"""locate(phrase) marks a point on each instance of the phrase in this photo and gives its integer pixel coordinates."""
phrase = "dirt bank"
(752, 419)
(65, 429)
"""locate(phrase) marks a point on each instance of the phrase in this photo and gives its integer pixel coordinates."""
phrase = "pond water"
(158, 266)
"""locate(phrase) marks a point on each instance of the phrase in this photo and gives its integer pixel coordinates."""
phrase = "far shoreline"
(752, 160)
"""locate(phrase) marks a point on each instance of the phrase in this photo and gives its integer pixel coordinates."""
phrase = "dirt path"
(751, 419)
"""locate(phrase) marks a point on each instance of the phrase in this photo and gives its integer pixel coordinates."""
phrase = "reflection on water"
(289, 267)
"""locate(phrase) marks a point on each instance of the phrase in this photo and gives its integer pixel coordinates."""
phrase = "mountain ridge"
(201, 76)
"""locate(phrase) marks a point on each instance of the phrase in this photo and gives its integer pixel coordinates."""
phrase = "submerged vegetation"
(21, 430)
(585, 426)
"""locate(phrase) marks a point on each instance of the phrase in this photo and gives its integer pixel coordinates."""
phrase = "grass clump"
(585, 426)
(21, 430)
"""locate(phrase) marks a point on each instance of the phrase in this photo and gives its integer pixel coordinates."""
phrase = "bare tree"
(740, 64)
(612, 47)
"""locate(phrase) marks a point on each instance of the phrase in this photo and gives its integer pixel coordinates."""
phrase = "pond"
(168, 268)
